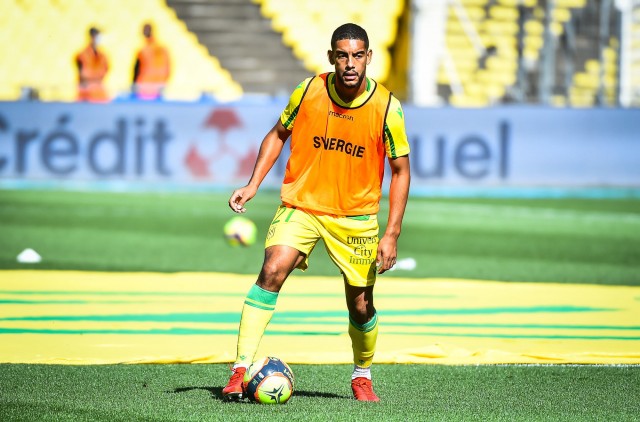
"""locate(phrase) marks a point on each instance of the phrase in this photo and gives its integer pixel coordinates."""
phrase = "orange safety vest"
(153, 71)
(93, 68)
(337, 154)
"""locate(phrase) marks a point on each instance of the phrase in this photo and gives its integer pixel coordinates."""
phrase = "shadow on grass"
(216, 393)
(304, 393)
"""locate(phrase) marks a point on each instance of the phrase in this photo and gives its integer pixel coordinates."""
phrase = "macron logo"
(341, 116)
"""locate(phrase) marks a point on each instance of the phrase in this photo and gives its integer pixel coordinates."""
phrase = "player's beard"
(351, 83)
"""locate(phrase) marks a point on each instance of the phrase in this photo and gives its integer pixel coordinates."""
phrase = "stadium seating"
(486, 75)
(632, 49)
(481, 65)
(307, 25)
(586, 83)
(42, 37)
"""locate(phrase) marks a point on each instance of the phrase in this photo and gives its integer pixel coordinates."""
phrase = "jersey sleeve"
(395, 136)
(288, 116)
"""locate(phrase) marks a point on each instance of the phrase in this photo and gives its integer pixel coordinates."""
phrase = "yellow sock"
(363, 341)
(256, 314)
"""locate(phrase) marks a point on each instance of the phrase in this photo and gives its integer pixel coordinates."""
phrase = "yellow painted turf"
(69, 317)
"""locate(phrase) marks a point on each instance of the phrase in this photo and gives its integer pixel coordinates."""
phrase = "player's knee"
(361, 313)
(272, 277)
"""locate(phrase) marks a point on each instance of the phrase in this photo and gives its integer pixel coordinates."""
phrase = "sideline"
(73, 317)
(495, 192)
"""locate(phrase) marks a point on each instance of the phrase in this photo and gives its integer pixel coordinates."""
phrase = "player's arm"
(270, 150)
(397, 147)
(79, 67)
(136, 70)
(398, 195)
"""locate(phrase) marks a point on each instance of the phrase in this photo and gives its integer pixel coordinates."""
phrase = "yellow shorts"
(352, 242)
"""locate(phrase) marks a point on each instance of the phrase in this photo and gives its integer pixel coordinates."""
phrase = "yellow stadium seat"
(534, 27)
(561, 14)
(62, 25)
(586, 80)
(306, 27)
(475, 13)
(610, 81)
(469, 101)
(574, 4)
(474, 2)
(558, 101)
(610, 54)
(581, 98)
(533, 42)
(494, 90)
(531, 54)
(503, 28)
(592, 67)
(556, 28)
(514, 3)
(501, 64)
(504, 13)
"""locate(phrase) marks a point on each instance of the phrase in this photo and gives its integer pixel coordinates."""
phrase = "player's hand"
(387, 254)
(239, 197)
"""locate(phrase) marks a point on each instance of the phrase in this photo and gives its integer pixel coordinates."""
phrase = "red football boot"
(363, 389)
(233, 391)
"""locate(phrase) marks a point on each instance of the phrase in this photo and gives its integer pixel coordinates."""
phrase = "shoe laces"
(238, 373)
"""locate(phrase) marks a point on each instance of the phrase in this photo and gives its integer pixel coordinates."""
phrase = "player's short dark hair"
(93, 31)
(349, 31)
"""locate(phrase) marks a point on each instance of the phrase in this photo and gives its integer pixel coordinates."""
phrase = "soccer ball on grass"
(269, 381)
(240, 231)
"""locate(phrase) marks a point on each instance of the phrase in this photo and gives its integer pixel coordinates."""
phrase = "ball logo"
(275, 394)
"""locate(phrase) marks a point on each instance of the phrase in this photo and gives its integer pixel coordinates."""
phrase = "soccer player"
(342, 126)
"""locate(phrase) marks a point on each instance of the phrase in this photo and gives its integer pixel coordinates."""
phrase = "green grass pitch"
(551, 240)
(408, 392)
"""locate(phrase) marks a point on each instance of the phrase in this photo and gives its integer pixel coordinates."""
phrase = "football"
(240, 231)
(269, 381)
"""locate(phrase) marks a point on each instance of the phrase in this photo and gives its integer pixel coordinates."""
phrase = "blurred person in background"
(152, 68)
(92, 67)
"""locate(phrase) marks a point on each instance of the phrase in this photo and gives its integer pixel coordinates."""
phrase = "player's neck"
(347, 94)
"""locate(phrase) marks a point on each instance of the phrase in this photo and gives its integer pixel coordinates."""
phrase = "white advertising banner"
(524, 146)
(212, 145)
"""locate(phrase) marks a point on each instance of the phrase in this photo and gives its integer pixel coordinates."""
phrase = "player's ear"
(330, 57)
(369, 54)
